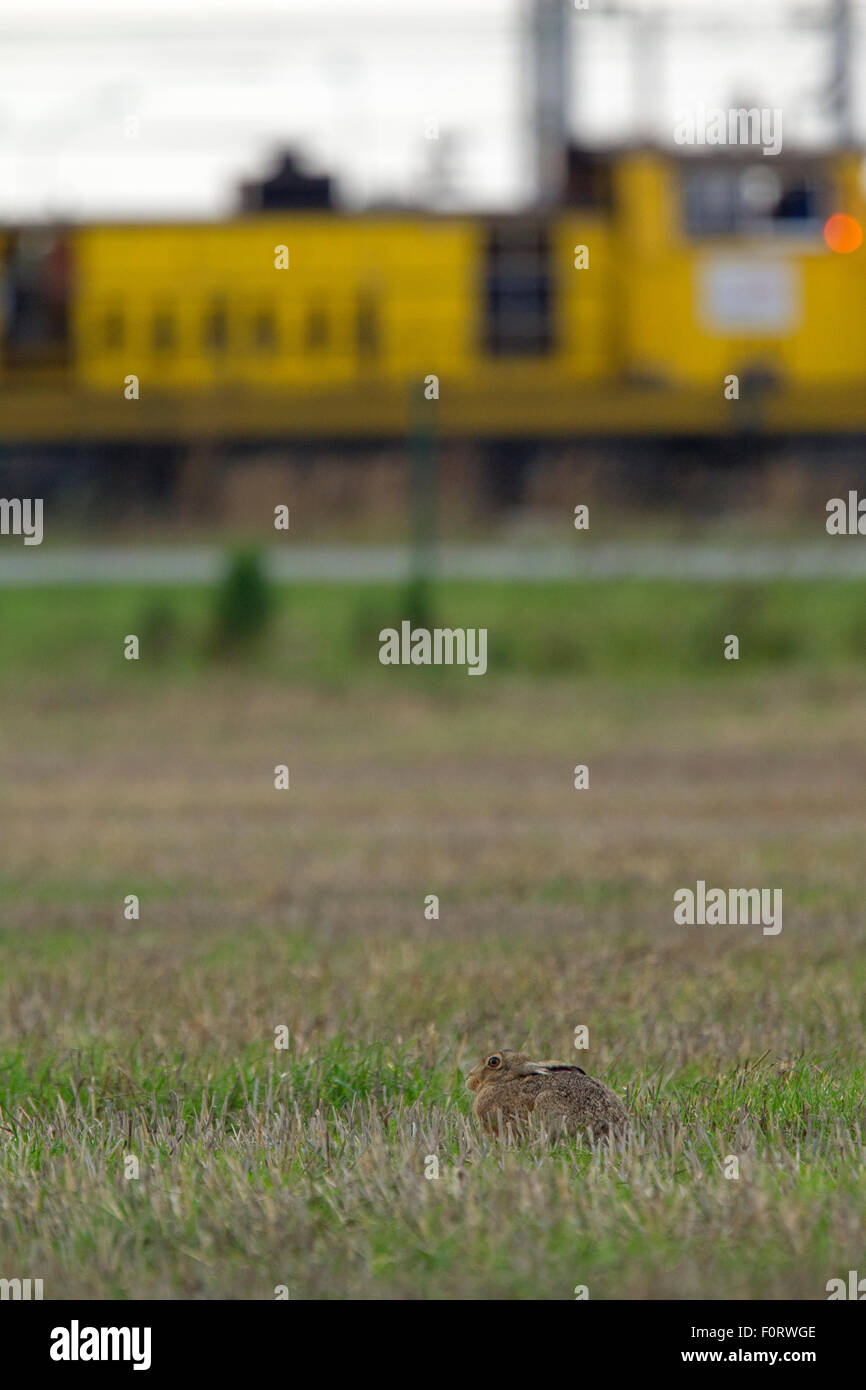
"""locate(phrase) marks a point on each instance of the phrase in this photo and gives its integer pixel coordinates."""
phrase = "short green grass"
(304, 1166)
(624, 630)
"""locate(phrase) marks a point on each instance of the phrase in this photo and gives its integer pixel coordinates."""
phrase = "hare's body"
(513, 1090)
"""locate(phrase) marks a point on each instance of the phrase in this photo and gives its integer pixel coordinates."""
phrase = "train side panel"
(200, 306)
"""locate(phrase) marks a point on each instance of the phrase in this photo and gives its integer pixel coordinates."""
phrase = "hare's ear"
(531, 1069)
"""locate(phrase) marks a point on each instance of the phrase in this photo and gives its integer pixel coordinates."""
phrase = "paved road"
(27, 566)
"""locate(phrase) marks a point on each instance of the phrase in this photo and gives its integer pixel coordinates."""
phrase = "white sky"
(217, 85)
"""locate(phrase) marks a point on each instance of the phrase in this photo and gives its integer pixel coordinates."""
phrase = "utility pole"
(649, 29)
(423, 496)
(548, 45)
(840, 86)
(648, 46)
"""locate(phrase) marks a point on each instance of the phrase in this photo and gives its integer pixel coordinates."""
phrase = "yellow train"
(676, 294)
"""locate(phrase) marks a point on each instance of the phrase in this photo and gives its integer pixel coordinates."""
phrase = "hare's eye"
(493, 1061)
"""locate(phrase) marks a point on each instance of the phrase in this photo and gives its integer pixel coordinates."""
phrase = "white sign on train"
(737, 294)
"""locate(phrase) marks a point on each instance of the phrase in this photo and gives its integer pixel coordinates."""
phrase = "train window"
(753, 201)
(316, 332)
(518, 290)
(112, 330)
(216, 328)
(710, 204)
(163, 333)
(367, 327)
(36, 287)
(264, 332)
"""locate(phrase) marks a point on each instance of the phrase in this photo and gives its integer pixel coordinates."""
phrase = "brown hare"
(514, 1090)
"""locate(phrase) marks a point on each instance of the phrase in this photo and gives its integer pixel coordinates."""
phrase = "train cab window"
(163, 335)
(518, 290)
(754, 201)
(316, 332)
(264, 333)
(216, 328)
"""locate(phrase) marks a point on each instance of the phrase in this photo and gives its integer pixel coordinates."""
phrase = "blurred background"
(429, 276)
(431, 175)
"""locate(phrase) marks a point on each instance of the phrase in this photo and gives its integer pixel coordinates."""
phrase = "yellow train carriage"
(627, 314)
(315, 300)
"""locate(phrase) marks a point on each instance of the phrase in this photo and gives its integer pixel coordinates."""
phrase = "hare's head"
(503, 1065)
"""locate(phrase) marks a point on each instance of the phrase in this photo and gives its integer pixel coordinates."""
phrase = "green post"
(423, 499)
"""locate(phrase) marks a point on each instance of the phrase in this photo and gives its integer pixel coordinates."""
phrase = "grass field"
(305, 1167)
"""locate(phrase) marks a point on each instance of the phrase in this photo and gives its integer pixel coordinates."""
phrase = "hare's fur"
(513, 1091)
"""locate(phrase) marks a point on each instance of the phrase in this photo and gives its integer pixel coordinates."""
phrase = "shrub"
(244, 601)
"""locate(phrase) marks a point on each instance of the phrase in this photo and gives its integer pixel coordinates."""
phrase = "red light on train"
(843, 233)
